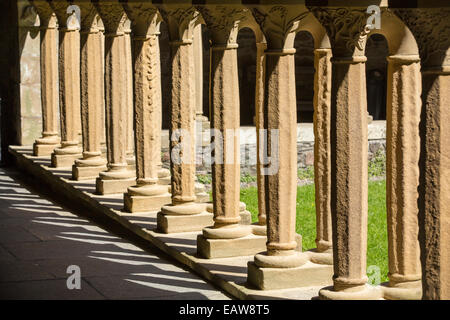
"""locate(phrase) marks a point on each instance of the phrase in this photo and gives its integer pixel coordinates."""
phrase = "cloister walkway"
(39, 240)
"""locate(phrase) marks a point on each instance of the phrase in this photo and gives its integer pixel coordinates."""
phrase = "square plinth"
(183, 223)
(202, 198)
(113, 186)
(225, 248)
(40, 150)
(64, 160)
(145, 203)
(86, 173)
(307, 275)
(246, 217)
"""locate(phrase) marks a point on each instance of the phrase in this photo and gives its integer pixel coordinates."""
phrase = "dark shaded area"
(376, 76)
(10, 125)
(247, 75)
(304, 76)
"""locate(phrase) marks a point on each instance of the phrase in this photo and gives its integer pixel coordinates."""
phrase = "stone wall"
(305, 147)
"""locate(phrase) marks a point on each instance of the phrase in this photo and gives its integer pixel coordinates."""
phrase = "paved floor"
(39, 240)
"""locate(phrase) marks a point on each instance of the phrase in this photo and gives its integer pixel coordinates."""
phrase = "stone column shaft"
(91, 97)
(322, 147)
(403, 151)
(281, 117)
(129, 99)
(349, 172)
(435, 183)
(430, 29)
(69, 87)
(49, 82)
(117, 178)
(183, 117)
(259, 121)
(198, 67)
(148, 194)
(225, 118)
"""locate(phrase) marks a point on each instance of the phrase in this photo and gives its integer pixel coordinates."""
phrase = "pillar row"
(45, 145)
(147, 194)
(322, 148)
(402, 180)
(117, 177)
(92, 162)
(184, 213)
(69, 86)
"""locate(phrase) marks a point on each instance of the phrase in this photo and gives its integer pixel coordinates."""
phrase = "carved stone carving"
(144, 17)
(113, 16)
(431, 28)
(277, 22)
(89, 17)
(47, 16)
(346, 28)
(223, 22)
(181, 21)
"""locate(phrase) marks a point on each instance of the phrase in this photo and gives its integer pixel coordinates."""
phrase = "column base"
(402, 293)
(186, 217)
(135, 203)
(261, 230)
(64, 160)
(309, 274)
(103, 186)
(225, 248)
(164, 177)
(246, 216)
(40, 150)
(86, 173)
(131, 162)
(367, 292)
(320, 257)
(187, 223)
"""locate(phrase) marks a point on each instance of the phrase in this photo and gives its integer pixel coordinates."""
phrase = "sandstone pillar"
(69, 85)
(281, 265)
(402, 180)
(131, 160)
(198, 74)
(260, 226)
(45, 145)
(227, 237)
(322, 153)
(348, 153)
(148, 194)
(430, 29)
(117, 178)
(184, 214)
(91, 96)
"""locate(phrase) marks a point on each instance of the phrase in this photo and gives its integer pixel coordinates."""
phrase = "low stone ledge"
(230, 274)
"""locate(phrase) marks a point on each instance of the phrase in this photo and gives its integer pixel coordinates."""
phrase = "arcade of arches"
(112, 74)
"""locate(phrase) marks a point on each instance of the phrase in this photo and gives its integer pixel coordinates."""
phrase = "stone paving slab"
(230, 274)
(40, 239)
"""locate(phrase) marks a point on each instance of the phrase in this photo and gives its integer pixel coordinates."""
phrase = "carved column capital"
(181, 21)
(279, 24)
(47, 16)
(113, 17)
(223, 22)
(431, 28)
(346, 29)
(89, 17)
(66, 15)
(145, 18)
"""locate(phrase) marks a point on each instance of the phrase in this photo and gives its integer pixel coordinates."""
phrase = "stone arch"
(246, 54)
(400, 39)
(304, 75)
(317, 31)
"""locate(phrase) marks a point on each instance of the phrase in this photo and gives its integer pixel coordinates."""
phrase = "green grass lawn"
(377, 252)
